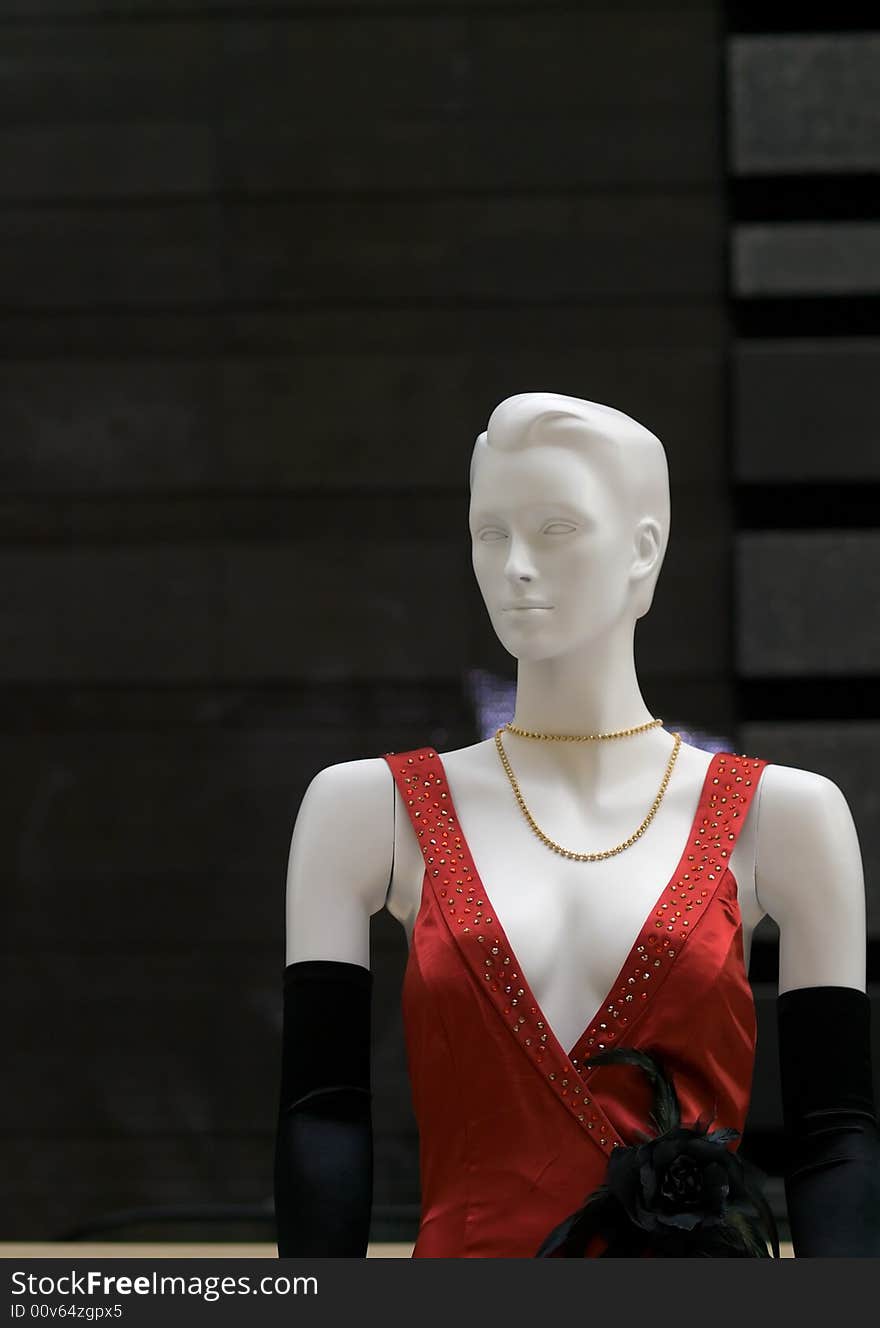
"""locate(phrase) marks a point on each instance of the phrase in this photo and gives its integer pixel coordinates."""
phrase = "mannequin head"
(569, 518)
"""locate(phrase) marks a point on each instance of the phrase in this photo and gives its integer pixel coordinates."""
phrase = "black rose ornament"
(680, 1194)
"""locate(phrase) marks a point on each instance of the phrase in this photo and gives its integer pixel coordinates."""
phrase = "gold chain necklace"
(582, 737)
(551, 843)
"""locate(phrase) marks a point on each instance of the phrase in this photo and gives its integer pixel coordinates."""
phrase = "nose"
(519, 566)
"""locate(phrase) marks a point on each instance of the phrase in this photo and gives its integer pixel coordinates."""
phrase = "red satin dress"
(513, 1132)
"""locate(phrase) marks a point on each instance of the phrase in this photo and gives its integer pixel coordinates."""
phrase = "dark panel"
(696, 564)
(171, 9)
(480, 153)
(170, 1068)
(334, 608)
(154, 256)
(114, 1201)
(805, 503)
(132, 160)
(141, 1042)
(817, 316)
(151, 949)
(845, 753)
(513, 250)
(282, 422)
(515, 63)
(54, 1183)
(805, 410)
(178, 839)
(549, 249)
(806, 603)
(630, 328)
(844, 697)
(139, 160)
(804, 103)
(807, 258)
(765, 1108)
(808, 196)
(101, 427)
(132, 840)
(788, 16)
(125, 1093)
(358, 717)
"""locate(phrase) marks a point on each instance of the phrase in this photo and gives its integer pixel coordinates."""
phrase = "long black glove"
(324, 1143)
(832, 1166)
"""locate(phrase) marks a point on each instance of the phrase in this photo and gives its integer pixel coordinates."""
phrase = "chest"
(571, 924)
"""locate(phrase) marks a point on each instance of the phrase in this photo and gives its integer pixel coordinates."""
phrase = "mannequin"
(569, 524)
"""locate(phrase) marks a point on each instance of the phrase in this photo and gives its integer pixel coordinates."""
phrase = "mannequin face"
(552, 550)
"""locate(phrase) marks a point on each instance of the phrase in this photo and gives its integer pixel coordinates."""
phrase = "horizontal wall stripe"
(791, 16)
(173, 11)
(806, 258)
(397, 156)
(346, 67)
(340, 608)
(640, 246)
(812, 198)
(626, 326)
(812, 316)
(274, 423)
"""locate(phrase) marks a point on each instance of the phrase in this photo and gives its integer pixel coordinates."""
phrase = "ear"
(647, 544)
(648, 557)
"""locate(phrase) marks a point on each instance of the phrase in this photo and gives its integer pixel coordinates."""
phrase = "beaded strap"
(730, 784)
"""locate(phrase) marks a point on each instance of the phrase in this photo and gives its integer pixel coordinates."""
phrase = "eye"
(559, 528)
(490, 533)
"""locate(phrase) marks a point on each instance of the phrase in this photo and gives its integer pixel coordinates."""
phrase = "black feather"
(569, 1239)
(665, 1112)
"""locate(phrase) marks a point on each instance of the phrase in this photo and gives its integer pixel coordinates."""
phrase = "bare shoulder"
(797, 802)
(344, 832)
(369, 778)
(807, 850)
(795, 784)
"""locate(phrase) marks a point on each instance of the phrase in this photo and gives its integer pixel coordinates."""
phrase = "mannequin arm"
(338, 870)
(809, 877)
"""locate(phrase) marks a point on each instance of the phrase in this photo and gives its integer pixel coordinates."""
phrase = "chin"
(540, 647)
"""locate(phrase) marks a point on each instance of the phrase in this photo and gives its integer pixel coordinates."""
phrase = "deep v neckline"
(637, 955)
(460, 895)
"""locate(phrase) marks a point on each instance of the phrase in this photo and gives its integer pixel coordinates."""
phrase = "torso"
(571, 923)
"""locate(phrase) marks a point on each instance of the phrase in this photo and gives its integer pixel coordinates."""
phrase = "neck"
(591, 690)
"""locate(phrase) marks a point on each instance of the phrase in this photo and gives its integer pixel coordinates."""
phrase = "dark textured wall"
(803, 110)
(268, 269)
